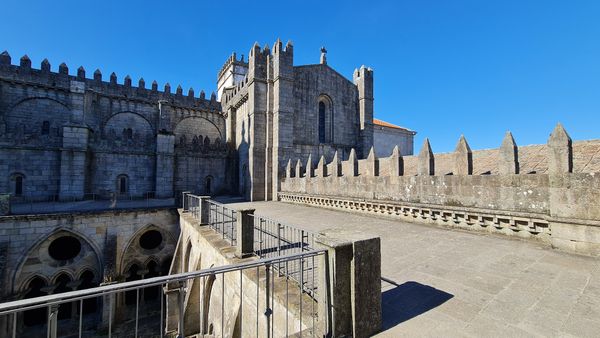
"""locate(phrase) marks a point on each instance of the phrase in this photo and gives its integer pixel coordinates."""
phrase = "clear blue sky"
(442, 68)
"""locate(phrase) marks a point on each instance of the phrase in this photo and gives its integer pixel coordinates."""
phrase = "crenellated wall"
(548, 192)
(67, 136)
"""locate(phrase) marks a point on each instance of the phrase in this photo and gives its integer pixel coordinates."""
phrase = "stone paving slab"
(454, 283)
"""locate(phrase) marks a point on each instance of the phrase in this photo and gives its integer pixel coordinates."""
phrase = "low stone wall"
(557, 203)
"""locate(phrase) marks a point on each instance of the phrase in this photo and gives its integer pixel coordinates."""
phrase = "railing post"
(350, 287)
(181, 302)
(184, 196)
(204, 209)
(52, 320)
(268, 310)
(244, 245)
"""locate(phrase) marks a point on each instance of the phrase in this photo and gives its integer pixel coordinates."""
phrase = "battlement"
(232, 60)
(559, 155)
(62, 80)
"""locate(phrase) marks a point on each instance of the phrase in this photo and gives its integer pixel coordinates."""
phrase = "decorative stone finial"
(508, 156)
(426, 165)
(5, 58)
(463, 158)
(298, 169)
(288, 169)
(560, 151)
(336, 165)
(113, 78)
(321, 167)
(45, 66)
(25, 61)
(80, 73)
(141, 83)
(97, 75)
(309, 167)
(154, 86)
(127, 81)
(396, 163)
(63, 69)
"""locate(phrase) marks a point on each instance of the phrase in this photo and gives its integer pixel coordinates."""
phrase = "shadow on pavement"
(408, 300)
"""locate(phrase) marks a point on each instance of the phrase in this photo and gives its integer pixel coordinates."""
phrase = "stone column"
(73, 162)
(351, 284)
(244, 243)
(165, 165)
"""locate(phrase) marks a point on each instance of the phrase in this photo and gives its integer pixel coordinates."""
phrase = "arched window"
(122, 184)
(19, 185)
(45, 127)
(325, 119)
(208, 185)
(322, 122)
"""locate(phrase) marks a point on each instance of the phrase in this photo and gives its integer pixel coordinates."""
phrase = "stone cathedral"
(68, 138)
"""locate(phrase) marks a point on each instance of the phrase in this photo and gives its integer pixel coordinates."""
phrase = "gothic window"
(122, 184)
(18, 189)
(321, 122)
(325, 120)
(208, 185)
(45, 127)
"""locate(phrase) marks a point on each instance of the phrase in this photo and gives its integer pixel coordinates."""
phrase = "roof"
(382, 123)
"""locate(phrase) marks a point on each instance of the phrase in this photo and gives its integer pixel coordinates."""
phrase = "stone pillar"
(165, 165)
(560, 151)
(73, 162)
(244, 243)
(109, 309)
(463, 158)
(426, 162)
(508, 162)
(351, 284)
(204, 210)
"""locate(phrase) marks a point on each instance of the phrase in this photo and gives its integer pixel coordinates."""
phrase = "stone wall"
(475, 190)
(68, 135)
(109, 242)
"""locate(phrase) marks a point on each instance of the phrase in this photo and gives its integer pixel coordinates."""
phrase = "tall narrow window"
(321, 122)
(45, 127)
(18, 185)
(122, 184)
(207, 186)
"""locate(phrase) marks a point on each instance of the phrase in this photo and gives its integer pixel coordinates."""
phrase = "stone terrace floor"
(444, 282)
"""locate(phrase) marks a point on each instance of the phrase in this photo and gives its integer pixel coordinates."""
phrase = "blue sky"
(442, 68)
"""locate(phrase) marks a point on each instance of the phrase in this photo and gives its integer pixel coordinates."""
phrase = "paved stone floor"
(443, 282)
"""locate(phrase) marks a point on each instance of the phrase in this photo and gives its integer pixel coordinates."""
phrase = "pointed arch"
(99, 261)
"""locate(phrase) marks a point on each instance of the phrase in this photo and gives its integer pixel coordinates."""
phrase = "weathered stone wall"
(68, 135)
(109, 245)
(554, 203)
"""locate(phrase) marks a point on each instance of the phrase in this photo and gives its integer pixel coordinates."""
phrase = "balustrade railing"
(231, 289)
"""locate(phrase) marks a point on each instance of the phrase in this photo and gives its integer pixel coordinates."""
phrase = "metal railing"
(217, 216)
(275, 239)
(222, 220)
(180, 286)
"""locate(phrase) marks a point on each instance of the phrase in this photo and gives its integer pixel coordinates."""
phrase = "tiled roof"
(382, 123)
